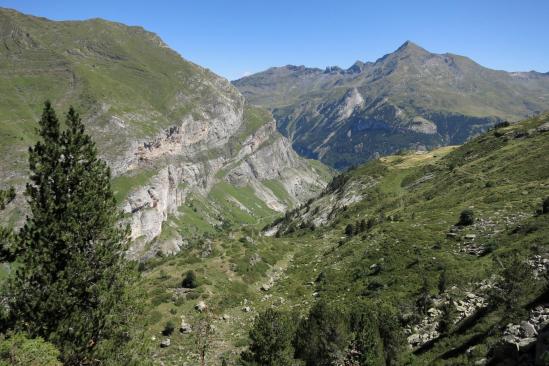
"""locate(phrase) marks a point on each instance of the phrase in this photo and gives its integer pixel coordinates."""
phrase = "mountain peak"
(410, 47)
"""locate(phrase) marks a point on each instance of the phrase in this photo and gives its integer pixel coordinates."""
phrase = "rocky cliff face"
(264, 156)
(168, 128)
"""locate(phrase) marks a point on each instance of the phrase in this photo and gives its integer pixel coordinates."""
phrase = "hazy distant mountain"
(408, 99)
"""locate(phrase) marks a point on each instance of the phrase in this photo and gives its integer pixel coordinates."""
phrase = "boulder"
(527, 329)
(165, 343)
(246, 309)
(544, 127)
(414, 339)
(185, 327)
(201, 306)
(526, 342)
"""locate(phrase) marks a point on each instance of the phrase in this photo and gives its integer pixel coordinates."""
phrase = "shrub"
(168, 328)
(271, 340)
(349, 231)
(516, 281)
(323, 336)
(545, 207)
(501, 125)
(449, 314)
(442, 282)
(466, 218)
(18, 350)
(189, 280)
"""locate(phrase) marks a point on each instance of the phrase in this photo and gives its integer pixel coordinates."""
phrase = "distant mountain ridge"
(407, 99)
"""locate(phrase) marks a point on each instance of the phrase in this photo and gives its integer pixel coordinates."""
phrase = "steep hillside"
(388, 233)
(169, 129)
(409, 99)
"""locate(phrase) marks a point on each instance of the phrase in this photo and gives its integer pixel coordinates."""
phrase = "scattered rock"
(165, 343)
(207, 248)
(528, 329)
(544, 127)
(246, 309)
(185, 327)
(201, 306)
(255, 259)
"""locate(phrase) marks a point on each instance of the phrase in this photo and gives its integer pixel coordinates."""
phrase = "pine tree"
(271, 340)
(323, 337)
(73, 284)
(368, 341)
(349, 231)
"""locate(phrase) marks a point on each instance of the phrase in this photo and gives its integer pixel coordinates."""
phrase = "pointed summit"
(411, 47)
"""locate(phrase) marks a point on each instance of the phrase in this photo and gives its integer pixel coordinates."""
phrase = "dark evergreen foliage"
(6, 196)
(447, 319)
(73, 284)
(516, 279)
(545, 207)
(442, 282)
(322, 338)
(271, 340)
(466, 218)
(349, 230)
(189, 281)
(168, 328)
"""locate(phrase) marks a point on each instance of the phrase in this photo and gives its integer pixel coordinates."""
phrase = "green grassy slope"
(102, 68)
(129, 88)
(413, 202)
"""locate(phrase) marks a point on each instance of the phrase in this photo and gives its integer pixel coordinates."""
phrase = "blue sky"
(237, 37)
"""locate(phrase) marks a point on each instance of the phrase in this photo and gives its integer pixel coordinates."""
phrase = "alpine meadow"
(153, 212)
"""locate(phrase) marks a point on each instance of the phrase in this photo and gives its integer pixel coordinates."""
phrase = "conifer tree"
(323, 337)
(72, 286)
(271, 340)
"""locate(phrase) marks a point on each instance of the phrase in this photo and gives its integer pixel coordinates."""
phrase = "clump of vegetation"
(6, 196)
(73, 285)
(168, 328)
(466, 218)
(502, 125)
(516, 281)
(349, 230)
(447, 318)
(545, 206)
(442, 282)
(18, 350)
(337, 183)
(189, 280)
(322, 336)
(271, 340)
